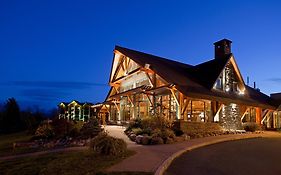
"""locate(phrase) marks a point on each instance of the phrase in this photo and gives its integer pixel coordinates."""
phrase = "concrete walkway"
(156, 158)
(118, 132)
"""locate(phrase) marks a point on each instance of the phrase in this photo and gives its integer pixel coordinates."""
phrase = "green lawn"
(68, 163)
(6, 143)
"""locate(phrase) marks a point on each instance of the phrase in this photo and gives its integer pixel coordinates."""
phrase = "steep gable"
(121, 66)
(208, 72)
(230, 78)
(171, 71)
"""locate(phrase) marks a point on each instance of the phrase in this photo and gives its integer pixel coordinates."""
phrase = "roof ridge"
(159, 57)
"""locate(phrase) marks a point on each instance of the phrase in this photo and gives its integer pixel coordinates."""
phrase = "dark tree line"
(12, 119)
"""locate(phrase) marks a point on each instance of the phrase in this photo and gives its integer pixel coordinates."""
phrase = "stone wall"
(230, 118)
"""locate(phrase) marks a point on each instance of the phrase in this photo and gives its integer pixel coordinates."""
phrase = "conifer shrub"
(104, 144)
(251, 126)
(91, 128)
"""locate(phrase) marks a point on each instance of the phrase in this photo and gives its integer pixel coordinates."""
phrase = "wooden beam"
(107, 109)
(218, 111)
(244, 113)
(129, 98)
(129, 74)
(118, 109)
(175, 97)
(149, 79)
(264, 115)
(185, 106)
(118, 67)
(115, 89)
(149, 99)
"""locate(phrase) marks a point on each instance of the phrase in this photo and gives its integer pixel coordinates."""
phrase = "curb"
(164, 166)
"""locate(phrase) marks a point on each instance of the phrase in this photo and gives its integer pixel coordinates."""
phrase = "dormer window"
(218, 84)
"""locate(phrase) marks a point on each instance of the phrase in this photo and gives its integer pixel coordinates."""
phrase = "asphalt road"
(260, 156)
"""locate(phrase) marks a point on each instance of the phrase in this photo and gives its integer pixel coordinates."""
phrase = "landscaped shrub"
(156, 122)
(136, 123)
(178, 132)
(137, 131)
(156, 140)
(44, 131)
(167, 134)
(62, 127)
(251, 126)
(164, 134)
(199, 129)
(90, 129)
(107, 145)
(149, 124)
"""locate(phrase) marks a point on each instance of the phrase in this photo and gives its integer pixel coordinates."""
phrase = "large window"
(198, 111)
(134, 82)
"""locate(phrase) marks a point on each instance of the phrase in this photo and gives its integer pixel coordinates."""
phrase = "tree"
(11, 119)
(31, 120)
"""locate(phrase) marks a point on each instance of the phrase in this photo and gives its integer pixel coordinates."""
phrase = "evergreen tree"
(11, 120)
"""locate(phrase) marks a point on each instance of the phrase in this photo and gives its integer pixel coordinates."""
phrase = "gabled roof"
(172, 71)
(208, 72)
(194, 81)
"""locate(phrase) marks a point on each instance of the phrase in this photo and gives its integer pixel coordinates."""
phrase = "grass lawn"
(68, 163)
(6, 143)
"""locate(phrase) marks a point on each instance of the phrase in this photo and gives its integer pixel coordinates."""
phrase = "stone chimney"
(222, 48)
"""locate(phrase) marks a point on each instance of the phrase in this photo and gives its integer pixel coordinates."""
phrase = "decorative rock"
(156, 140)
(133, 137)
(185, 137)
(145, 140)
(139, 139)
(169, 140)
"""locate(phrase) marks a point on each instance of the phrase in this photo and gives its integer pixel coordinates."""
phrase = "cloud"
(43, 94)
(53, 84)
(275, 80)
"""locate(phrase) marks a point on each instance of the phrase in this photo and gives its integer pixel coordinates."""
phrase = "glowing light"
(227, 89)
(241, 92)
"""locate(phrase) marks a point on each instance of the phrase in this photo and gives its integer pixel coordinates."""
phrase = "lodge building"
(144, 85)
(78, 111)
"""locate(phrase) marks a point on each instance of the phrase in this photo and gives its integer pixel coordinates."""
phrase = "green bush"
(62, 127)
(106, 145)
(149, 124)
(156, 122)
(136, 123)
(164, 134)
(90, 129)
(44, 131)
(199, 128)
(137, 131)
(251, 126)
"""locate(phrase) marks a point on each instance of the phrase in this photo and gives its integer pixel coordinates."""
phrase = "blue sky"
(52, 51)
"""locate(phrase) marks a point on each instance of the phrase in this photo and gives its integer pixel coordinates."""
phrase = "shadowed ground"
(244, 157)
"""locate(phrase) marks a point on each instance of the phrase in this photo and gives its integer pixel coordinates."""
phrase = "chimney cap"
(223, 40)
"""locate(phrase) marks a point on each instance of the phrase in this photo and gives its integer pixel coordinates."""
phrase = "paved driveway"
(257, 156)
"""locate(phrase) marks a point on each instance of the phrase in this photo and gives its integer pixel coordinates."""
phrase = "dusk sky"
(53, 51)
